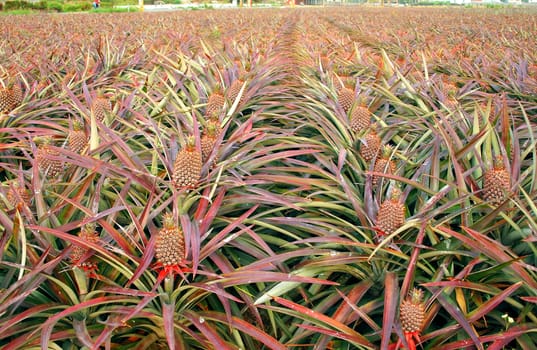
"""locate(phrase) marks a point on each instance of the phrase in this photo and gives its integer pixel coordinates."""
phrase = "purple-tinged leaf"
(216, 241)
(168, 313)
(82, 333)
(47, 327)
(492, 249)
(249, 277)
(201, 323)
(391, 291)
(456, 313)
(208, 216)
(215, 289)
(334, 334)
(530, 299)
(309, 315)
(247, 328)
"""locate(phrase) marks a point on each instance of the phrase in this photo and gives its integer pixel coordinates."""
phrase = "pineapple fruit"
(187, 166)
(170, 244)
(45, 157)
(233, 92)
(360, 118)
(17, 196)
(345, 98)
(101, 107)
(90, 235)
(208, 139)
(215, 103)
(391, 213)
(370, 144)
(77, 139)
(383, 164)
(10, 98)
(496, 182)
(412, 312)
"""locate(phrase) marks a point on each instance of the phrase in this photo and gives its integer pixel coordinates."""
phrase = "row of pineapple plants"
(338, 183)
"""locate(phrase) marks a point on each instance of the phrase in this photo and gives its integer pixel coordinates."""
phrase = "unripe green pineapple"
(496, 182)
(412, 312)
(187, 166)
(170, 244)
(391, 213)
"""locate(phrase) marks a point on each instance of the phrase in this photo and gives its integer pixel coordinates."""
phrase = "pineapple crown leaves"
(394, 192)
(77, 124)
(415, 296)
(88, 228)
(43, 140)
(190, 143)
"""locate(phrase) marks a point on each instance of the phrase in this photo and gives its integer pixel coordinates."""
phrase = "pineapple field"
(303, 178)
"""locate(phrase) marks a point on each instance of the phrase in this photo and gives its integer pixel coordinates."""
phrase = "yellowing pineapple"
(45, 157)
(215, 103)
(208, 139)
(78, 253)
(101, 107)
(383, 164)
(187, 166)
(77, 139)
(17, 196)
(345, 98)
(10, 98)
(234, 90)
(496, 182)
(391, 213)
(370, 145)
(412, 312)
(170, 244)
(360, 118)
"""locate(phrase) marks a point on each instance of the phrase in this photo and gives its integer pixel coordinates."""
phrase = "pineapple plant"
(101, 107)
(360, 118)
(383, 164)
(496, 182)
(215, 103)
(77, 138)
(170, 244)
(371, 144)
(45, 157)
(208, 139)
(391, 213)
(88, 234)
(187, 166)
